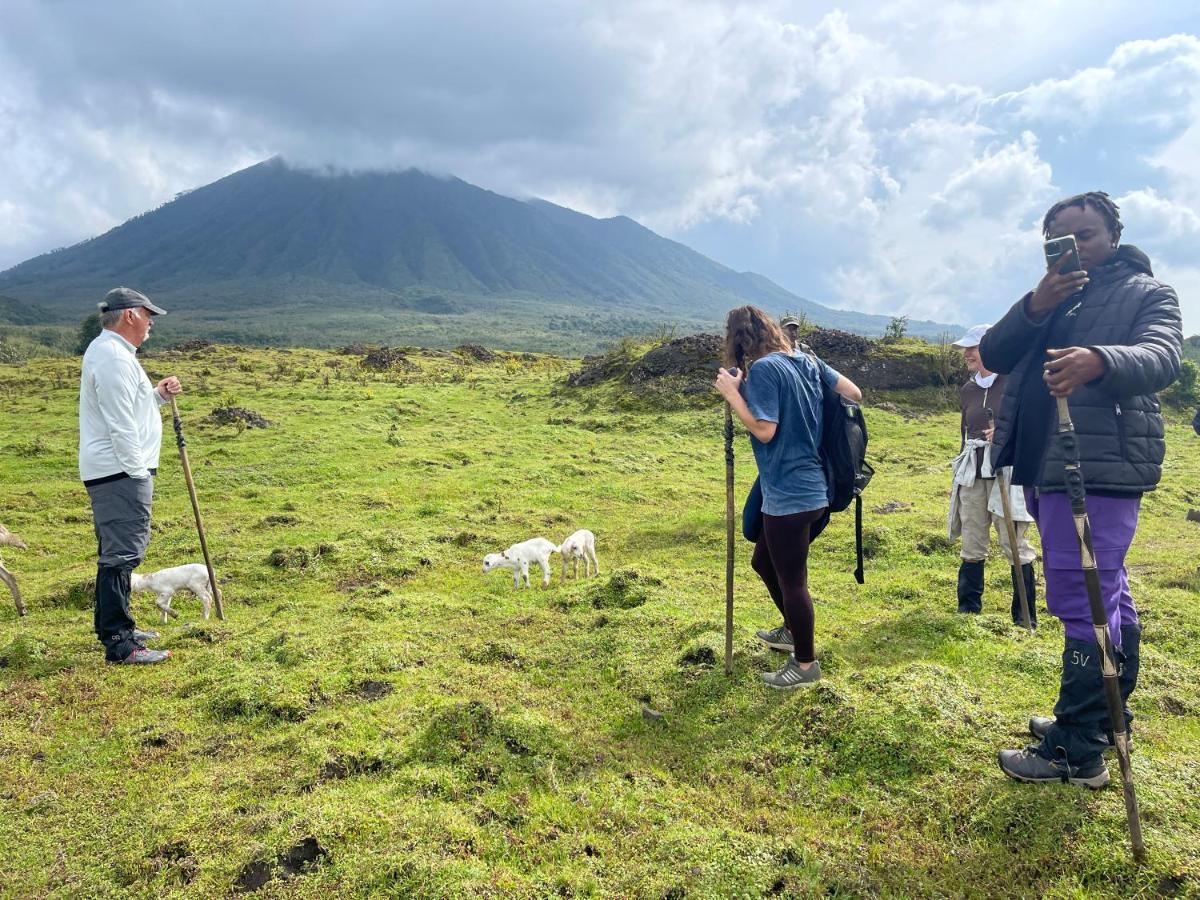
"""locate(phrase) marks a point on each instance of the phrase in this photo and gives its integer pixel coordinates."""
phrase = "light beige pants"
(977, 524)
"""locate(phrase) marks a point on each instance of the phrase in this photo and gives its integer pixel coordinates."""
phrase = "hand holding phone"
(1064, 276)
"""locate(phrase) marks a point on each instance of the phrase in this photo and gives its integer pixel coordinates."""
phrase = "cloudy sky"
(890, 156)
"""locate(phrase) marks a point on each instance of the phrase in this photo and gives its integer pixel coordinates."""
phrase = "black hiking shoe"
(1031, 768)
(1039, 725)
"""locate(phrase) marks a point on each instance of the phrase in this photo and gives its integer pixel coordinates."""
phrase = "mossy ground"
(436, 733)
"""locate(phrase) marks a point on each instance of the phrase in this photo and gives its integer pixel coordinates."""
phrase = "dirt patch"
(81, 595)
(237, 415)
(387, 359)
(477, 352)
(934, 543)
(351, 766)
(699, 655)
(288, 864)
(1173, 706)
(193, 345)
(158, 740)
(375, 690)
(890, 507)
(694, 358)
(491, 653)
(176, 856)
(829, 342)
(680, 372)
(298, 558)
(281, 519)
(626, 589)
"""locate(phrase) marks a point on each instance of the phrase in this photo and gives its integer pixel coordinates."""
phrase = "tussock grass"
(377, 717)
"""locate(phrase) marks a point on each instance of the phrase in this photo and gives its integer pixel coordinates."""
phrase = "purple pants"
(1113, 521)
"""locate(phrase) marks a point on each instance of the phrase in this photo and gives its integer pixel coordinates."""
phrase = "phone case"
(1056, 247)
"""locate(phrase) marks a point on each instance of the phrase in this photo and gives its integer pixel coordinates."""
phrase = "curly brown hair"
(750, 334)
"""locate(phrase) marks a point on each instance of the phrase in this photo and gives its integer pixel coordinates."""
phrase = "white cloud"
(893, 157)
(1004, 185)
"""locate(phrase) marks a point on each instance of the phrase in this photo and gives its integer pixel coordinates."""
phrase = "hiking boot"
(777, 639)
(142, 636)
(1031, 768)
(792, 676)
(1039, 725)
(142, 656)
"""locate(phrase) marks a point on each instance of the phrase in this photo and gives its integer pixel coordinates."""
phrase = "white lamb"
(168, 582)
(580, 545)
(519, 556)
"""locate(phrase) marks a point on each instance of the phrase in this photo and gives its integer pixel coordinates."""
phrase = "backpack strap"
(858, 573)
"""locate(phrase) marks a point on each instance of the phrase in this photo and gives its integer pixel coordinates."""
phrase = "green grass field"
(376, 705)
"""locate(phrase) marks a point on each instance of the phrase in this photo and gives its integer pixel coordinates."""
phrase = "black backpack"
(844, 440)
(844, 454)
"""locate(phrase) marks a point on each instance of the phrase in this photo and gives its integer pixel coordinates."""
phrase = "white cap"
(973, 336)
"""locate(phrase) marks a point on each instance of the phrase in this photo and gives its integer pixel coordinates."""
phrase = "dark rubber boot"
(970, 586)
(1030, 592)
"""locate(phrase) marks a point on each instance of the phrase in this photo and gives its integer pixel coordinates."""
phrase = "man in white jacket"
(120, 435)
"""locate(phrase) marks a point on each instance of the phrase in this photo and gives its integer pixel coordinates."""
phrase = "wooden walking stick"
(187, 475)
(728, 539)
(1091, 578)
(1010, 528)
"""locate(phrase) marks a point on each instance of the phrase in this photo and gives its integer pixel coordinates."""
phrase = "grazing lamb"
(519, 556)
(580, 545)
(168, 582)
(8, 539)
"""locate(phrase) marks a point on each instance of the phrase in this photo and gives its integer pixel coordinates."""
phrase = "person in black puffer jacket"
(1109, 337)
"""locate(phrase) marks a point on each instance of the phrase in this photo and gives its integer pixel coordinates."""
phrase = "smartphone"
(1058, 248)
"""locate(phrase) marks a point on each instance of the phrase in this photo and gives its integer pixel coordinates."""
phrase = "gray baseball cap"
(128, 298)
(788, 319)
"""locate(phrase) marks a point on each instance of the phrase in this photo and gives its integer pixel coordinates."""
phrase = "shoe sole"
(786, 648)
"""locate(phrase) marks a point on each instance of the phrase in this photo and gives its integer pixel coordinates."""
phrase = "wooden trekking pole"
(187, 476)
(728, 539)
(1010, 528)
(1091, 578)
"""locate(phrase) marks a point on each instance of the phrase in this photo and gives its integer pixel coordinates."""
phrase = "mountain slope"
(14, 312)
(401, 245)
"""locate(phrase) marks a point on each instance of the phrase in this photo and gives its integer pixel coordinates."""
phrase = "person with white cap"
(975, 503)
(120, 435)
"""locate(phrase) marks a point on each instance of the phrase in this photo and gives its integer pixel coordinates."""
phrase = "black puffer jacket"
(1133, 322)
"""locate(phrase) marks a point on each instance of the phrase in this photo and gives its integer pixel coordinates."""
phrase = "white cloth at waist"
(964, 476)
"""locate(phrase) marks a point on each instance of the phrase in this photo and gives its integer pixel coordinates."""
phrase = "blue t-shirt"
(786, 390)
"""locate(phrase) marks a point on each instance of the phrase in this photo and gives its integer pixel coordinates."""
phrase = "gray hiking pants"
(121, 514)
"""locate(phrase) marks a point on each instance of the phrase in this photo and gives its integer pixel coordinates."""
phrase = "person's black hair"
(1097, 200)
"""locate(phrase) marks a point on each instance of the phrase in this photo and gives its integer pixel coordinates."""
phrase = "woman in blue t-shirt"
(779, 402)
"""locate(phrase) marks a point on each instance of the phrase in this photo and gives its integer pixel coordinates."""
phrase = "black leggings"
(781, 561)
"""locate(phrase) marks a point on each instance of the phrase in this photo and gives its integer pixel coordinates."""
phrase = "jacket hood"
(1132, 257)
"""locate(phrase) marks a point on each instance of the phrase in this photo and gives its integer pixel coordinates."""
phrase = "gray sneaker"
(143, 656)
(142, 636)
(792, 676)
(777, 639)
(1030, 767)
